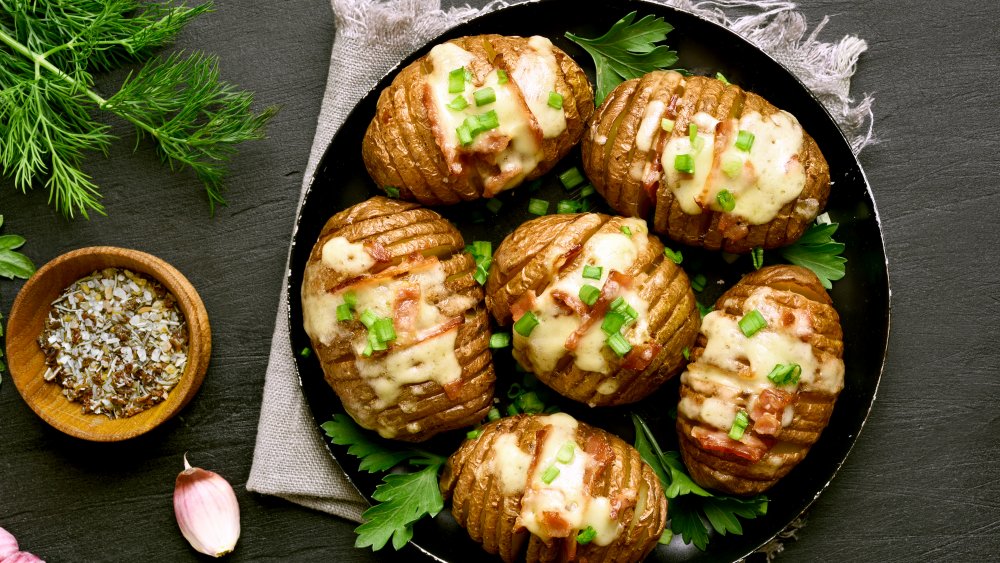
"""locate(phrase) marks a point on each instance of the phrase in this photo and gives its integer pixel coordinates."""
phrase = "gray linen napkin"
(290, 459)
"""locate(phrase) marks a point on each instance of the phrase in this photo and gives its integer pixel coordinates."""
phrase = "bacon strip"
(571, 303)
(750, 447)
(639, 357)
(768, 410)
(412, 264)
(377, 251)
(405, 310)
(617, 282)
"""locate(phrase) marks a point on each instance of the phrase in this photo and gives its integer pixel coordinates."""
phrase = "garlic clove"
(8, 545)
(22, 557)
(206, 510)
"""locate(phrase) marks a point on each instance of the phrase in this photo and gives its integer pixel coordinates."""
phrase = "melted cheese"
(649, 125)
(346, 257)
(432, 359)
(510, 464)
(771, 174)
(542, 350)
(535, 73)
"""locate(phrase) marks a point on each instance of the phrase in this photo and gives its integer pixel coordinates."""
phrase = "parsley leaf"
(691, 505)
(404, 498)
(14, 264)
(628, 50)
(818, 251)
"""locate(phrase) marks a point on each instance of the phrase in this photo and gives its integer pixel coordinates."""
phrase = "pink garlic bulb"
(10, 552)
(207, 512)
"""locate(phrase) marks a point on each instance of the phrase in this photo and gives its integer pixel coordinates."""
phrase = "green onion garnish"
(739, 425)
(391, 191)
(550, 474)
(368, 350)
(456, 81)
(459, 103)
(666, 536)
(368, 318)
(703, 309)
(306, 352)
(589, 294)
(514, 390)
(566, 452)
(344, 312)
(757, 255)
(726, 200)
(376, 344)
(481, 275)
(494, 414)
(630, 314)
(538, 206)
(484, 96)
(482, 248)
(785, 374)
(619, 305)
(592, 272)
(489, 120)
(684, 163)
(586, 535)
(529, 403)
(744, 140)
(571, 178)
(384, 330)
(511, 410)
(500, 340)
(667, 124)
(351, 299)
(732, 167)
(587, 190)
(473, 434)
(494, 205)
(697, 144)
(675, 255)
(698, 282)
(501, 76)
(626, 231)
(618, 343)
(612, 323)
(526, 324)
(686, 352)
(555, 100)
(464, 134)
(752, 322)
(692, 132)
(567, 206)
(720, 77)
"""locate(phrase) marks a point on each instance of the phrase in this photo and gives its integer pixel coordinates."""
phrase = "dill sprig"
(48, 54)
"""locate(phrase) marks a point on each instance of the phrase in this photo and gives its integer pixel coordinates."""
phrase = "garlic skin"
(206, 510)
(22, 557)
(8, 545)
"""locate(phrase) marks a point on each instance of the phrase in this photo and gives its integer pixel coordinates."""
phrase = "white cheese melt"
(346, 257)
(510, 464)
(535, 73)
(767, 177)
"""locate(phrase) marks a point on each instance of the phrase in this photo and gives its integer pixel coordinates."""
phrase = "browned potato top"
(780, 382)
(541, 480)
(394, 261)
(701, 187)
(540, 99)
(585, 279)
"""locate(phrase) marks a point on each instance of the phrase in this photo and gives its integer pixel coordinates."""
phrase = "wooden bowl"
(27, 362)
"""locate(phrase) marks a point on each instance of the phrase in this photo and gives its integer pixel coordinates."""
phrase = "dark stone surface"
(920, 484)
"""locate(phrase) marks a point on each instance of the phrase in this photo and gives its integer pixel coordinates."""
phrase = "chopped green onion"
(529, 403)
(732, 167)
(720, 77)
(538, 206)
(566, 452)
(619, 305)
(376, 344)
(698, 282)
(692, 132)
(626, 231)
(555, 100)
(468, 74)
(686, 352)
(368, 318)
(514, 390)
(500, 340)
(726, 200)
(586, 535)
(703, 309)
(587, 190)
(464, 134)
(494, 204)
(511, 410)
(368, 350)
(567, 206)
(592, 272)
(351, 298)
(526, 324)
(757, 255)
(501, 76)
(667, 124)
(630, 314)
(306, 352)
(697, 144)
(684, 163)
(494, 414)
(752, 322)
(571, 178)
(739, 425)
(482, 248)
(589, 294)
(785, 374)
(550, 474)
(618, 343)
(488, 120)
(456, 81)
(612, 323)
(459, 103)
(484, 96)
(473, 434)
(392, 191)
(481, 275)
(384, 330)
(744, 140)
(666, 536)
(344, 312)
(675, 255)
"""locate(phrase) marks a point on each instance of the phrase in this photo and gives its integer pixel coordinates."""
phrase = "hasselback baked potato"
(752, 406)
(567, 490)
(476, 116)
(715, 165)
(600, 314)
(397, 321)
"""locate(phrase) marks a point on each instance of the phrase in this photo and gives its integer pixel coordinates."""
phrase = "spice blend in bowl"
(116, 341)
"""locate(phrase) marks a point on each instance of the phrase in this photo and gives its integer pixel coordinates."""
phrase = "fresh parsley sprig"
(13, 264)
(404, 498)
(817, 251)
(690, 505)
(628, 50)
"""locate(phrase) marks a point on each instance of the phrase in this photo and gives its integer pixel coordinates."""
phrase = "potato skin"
(404, 229)
(480, 505)
(400, 149)
(608, 163)
(798, 289)
(522, 262)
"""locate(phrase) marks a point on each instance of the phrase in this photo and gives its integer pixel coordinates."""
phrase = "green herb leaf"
(403, 500)
(374, 455)
(628, 50)
(13, 264)
(817, 251)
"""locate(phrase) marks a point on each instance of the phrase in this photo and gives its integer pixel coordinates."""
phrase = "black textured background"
(921, 483)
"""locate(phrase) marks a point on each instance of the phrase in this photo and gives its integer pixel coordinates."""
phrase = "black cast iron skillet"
(862, 297)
